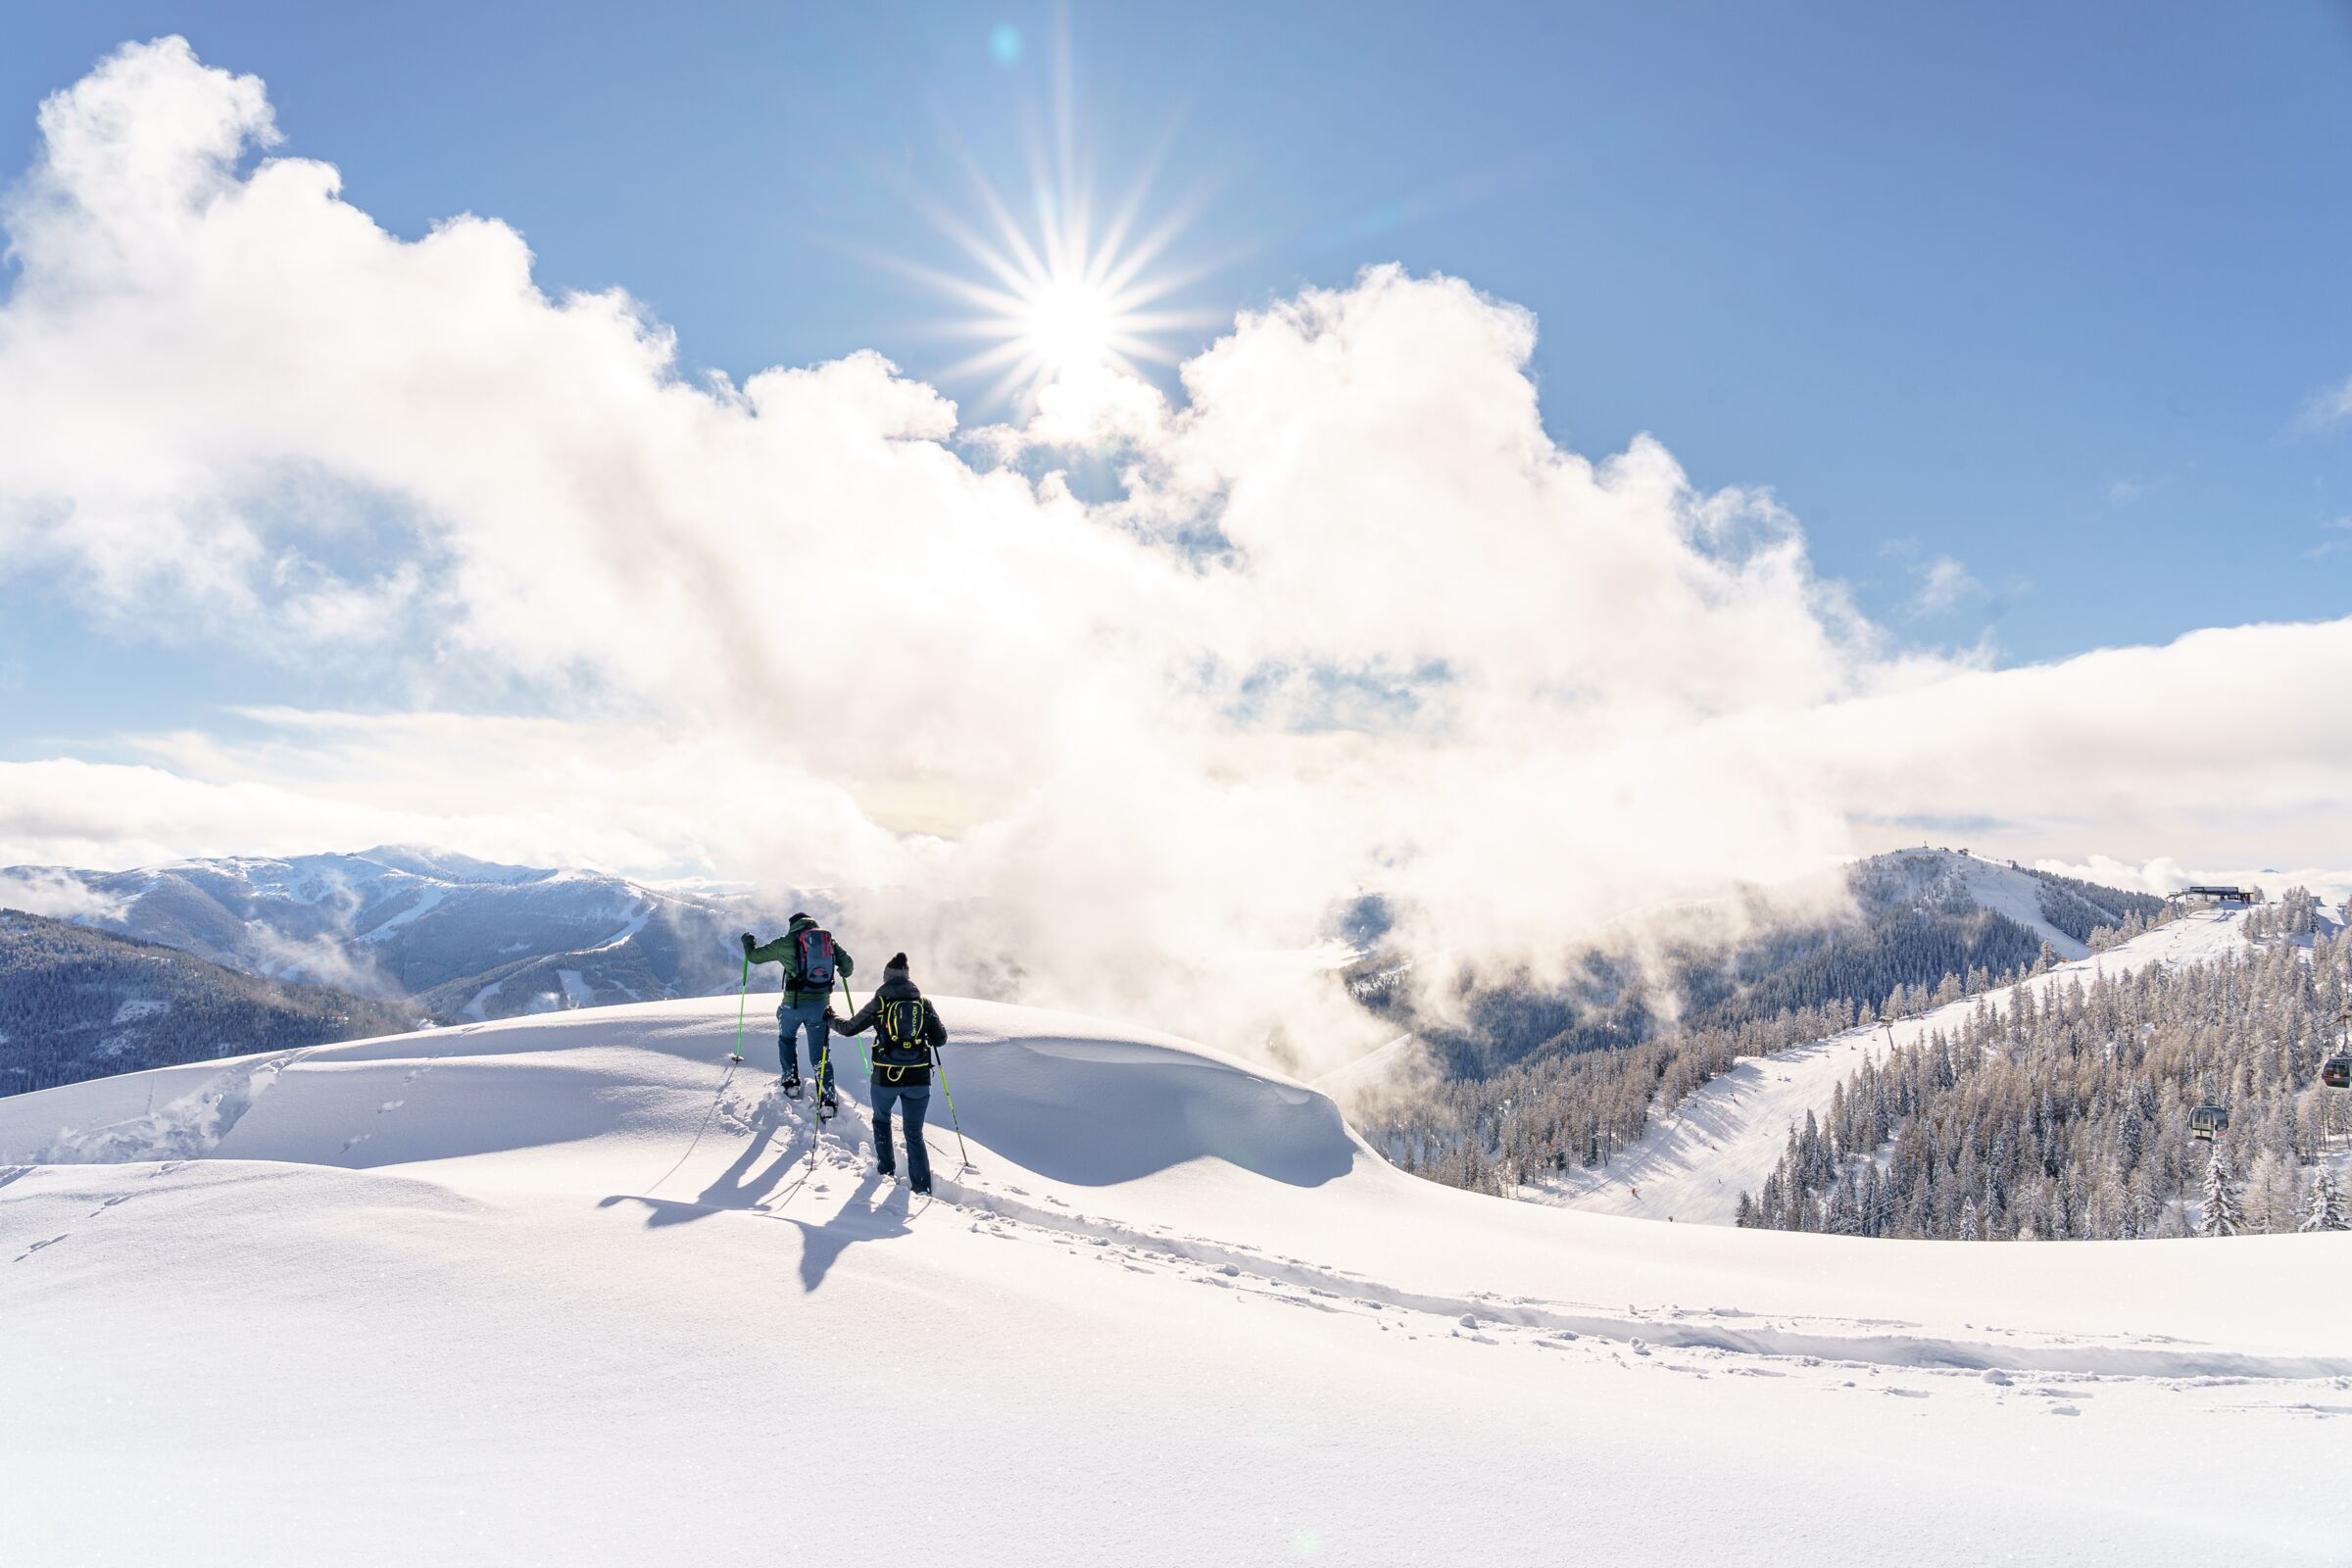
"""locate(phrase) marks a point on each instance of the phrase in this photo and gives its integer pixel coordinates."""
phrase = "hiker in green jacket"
(812, 961)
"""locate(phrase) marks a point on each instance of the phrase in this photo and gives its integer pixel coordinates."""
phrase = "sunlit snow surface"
(571, 1290)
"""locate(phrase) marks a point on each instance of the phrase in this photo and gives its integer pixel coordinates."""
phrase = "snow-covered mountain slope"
(1723, 1140)
(571, 1290)
(1928, 878)
(2016, 894)
(460, 937)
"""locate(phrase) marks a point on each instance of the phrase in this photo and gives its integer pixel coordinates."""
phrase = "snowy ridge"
(1694, 1161)
(591, 1291)
(443, 933)
(2006, 890)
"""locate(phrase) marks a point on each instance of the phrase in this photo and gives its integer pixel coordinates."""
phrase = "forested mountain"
(78, 1003)
(1546, 1079)
(1914, 916)
(444, 933)
(2071, 1117)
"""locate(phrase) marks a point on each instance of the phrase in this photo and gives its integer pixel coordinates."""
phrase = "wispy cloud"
(39, 891)
(2125, 492)
(1944, 584)
(2327, 409)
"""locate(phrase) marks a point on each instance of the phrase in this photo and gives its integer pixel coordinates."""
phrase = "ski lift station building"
(2202, 894)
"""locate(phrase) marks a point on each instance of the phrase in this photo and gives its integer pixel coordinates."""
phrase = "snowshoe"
(791, 1085)
(827, 1107)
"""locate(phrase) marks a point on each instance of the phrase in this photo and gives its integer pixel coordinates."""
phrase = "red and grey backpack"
(813, 954)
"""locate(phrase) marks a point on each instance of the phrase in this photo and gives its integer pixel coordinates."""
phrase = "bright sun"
(1065, 296)
(1060, 306)
(1070, 325)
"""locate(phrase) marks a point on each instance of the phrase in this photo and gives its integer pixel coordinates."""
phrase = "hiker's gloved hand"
(749, 943)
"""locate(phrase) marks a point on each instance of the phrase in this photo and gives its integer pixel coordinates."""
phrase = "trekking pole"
(851, 997)
(824, 1086)
(962, 1153)
(741, 998)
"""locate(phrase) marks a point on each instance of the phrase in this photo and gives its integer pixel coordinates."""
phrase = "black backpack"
(902, 1043)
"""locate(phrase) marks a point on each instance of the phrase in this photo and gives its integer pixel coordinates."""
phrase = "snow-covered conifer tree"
(2221, 1215)
(2326, 1210)
(2269, 1199)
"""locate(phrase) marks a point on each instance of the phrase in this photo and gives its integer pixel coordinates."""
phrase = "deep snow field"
(571, 1290)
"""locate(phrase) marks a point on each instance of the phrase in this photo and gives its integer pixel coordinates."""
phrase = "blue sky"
(2023, 304)
(2043, 289)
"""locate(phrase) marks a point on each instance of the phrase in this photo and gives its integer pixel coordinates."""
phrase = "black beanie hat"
(896, 964)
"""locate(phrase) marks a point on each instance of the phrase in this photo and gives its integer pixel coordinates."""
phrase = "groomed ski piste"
(571, 1290)
(1724, 1139)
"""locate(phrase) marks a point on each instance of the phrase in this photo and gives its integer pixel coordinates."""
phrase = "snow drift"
(571, 1288)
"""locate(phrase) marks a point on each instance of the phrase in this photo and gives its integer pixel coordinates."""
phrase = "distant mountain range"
(1914, 916)
(442, 934)
(78, 1003)
(403, 935)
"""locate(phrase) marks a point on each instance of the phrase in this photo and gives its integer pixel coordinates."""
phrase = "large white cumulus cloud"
(1355, 623)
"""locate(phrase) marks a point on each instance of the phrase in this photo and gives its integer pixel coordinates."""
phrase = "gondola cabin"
(2207, 1122)
(2336, 1071)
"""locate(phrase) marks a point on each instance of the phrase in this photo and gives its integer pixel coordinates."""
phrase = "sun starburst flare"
(1061, 302)
(1062, 297)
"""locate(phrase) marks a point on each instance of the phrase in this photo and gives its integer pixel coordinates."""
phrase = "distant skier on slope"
(813, 962)
(909, 1031)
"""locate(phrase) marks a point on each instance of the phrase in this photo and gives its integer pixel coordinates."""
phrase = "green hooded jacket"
(786, 951)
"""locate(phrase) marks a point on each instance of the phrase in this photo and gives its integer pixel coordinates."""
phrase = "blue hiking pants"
(915, 1104)
(805, 1016)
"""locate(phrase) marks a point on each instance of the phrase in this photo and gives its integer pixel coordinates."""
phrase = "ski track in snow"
(585, 1246)
(636, 923)
(427, 898)
(1720, 1339)
(1695, 1160)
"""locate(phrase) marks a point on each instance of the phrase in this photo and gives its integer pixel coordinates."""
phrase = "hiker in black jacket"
(909, 1032)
